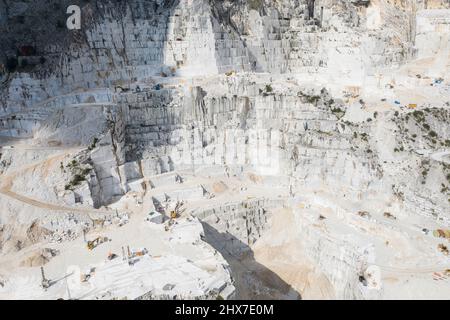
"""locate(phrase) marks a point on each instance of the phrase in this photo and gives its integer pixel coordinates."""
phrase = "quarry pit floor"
(278, 265)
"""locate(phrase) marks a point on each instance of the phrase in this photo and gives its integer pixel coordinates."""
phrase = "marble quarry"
(290, 149)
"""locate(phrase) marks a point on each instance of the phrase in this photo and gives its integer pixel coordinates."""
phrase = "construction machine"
(91, 245)
(173, 214)
(177, 210)
(230, 73)
(122, 89)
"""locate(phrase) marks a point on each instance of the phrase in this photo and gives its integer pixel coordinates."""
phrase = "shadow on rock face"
(251, 279)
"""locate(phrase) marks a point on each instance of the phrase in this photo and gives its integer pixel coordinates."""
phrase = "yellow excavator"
(173, 214)
(91, 245)
(177, 210)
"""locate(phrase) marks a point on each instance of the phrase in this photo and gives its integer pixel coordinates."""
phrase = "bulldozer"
(91, 245)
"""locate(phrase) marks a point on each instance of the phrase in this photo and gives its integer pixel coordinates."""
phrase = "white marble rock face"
(260, 116)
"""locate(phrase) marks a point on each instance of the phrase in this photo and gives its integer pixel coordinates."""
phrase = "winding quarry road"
(6, 183)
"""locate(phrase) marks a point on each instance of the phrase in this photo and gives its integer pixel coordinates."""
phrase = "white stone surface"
(242, 113)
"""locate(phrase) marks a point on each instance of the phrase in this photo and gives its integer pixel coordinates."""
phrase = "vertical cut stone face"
(123, 41)
(306, 95)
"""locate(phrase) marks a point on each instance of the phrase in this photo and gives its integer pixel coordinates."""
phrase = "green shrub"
(255, 4)
(93, 144)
